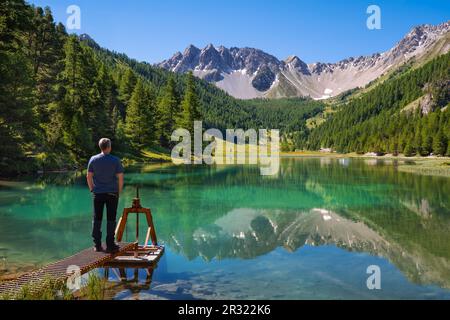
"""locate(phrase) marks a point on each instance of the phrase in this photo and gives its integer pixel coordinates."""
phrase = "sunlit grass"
(94, 289)
(45, 289)
(56, 289)
(155, 155)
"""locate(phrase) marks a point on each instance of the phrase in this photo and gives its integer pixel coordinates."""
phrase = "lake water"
(309, 233)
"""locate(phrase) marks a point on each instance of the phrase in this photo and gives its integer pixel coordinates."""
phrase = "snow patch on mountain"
(247, 73)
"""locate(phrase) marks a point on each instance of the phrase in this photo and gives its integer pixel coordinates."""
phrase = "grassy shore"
(433, 166)
(93, 288)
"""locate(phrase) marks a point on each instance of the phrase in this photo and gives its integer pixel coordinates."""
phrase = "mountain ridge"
(252, 73)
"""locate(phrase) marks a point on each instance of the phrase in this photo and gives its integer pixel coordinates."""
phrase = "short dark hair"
(104, 144)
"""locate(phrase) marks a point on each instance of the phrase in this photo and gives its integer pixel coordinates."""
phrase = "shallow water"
(310, 232)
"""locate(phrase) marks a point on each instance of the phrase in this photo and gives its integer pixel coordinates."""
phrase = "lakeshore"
(335, 216)
(432, 165)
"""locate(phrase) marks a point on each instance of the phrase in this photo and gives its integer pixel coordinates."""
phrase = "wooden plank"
(86, 260)
(145, 257)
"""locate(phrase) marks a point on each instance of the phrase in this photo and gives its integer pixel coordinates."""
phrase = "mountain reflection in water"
(310, 231)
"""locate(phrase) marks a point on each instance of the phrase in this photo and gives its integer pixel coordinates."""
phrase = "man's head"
(105, 145)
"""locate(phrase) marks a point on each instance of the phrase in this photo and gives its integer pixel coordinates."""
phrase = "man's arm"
(119, 175)
(120, 181)
(90, 180)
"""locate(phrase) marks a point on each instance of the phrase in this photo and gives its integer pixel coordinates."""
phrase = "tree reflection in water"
(231, 212)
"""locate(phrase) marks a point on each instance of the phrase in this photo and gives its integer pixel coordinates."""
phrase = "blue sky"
(314, 30)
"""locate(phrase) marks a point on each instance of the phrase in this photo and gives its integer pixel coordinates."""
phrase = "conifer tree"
(102, 103)
(168, 111)
(189, 106)
(75, 81)
(409, 149)
(140, 118)
(439, 144)
(127, 85)
(115, 119)
(17, 123)
(121, 142)
(45, 47)
(78, 140)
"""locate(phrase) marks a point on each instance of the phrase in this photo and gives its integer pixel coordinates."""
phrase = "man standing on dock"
(105, 181)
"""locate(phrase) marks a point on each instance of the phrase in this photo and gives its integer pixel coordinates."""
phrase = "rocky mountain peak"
(294, 62)
(210, 59)
(191, 50)
(209, 47)
(89, 41)
(418, 38)
(250, 72)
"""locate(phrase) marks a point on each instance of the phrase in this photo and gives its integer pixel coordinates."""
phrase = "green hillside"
(60, 93)
(376, 121)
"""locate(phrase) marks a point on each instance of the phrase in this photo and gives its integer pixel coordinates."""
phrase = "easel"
(140, 256)
(138, 209)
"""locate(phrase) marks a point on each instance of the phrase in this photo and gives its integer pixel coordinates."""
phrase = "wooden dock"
(129, 254)
(85, 260)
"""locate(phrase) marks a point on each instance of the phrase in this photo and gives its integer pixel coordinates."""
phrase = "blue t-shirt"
(105, 167)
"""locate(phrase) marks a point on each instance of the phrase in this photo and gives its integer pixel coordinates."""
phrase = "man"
(105, 181)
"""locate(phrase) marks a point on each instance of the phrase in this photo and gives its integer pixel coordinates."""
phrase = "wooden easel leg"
(148, 214)
(122, 274)
(147, 237)
(148, 279)
(118, 226)
(121, 225)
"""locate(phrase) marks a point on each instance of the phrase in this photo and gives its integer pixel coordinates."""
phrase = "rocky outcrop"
(250, 73)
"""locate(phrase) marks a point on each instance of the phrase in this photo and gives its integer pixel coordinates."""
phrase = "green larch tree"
(140, 118)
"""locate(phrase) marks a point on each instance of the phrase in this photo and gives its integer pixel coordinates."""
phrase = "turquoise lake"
(309, 232)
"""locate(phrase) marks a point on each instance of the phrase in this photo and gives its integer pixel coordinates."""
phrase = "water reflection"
(127, 281)
(217, 214)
